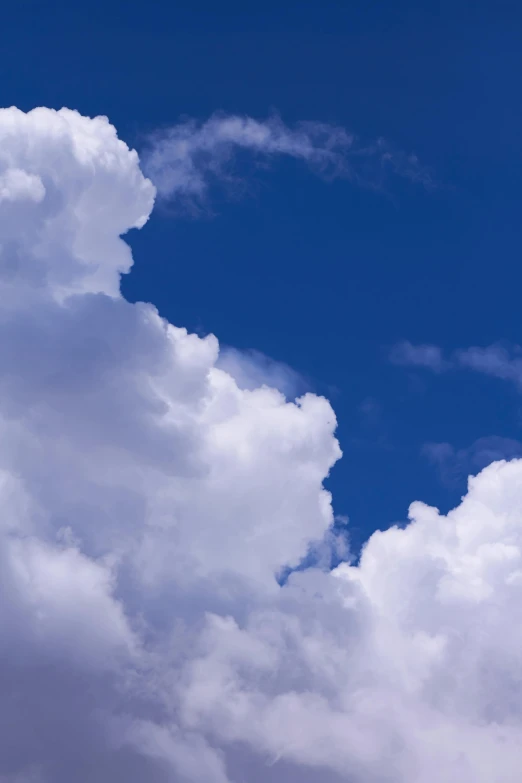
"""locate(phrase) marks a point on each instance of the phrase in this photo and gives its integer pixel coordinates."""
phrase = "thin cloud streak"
(187, 160)
(409, 355)
(494, 360)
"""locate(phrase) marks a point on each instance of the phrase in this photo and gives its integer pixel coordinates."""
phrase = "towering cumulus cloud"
(148, 505)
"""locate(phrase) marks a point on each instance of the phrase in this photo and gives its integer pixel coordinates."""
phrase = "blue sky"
(326, 277)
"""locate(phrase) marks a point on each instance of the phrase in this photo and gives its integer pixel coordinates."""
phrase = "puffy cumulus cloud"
(149, 504)
(65, 201)
(186, 160)
(404, 668)
(141, 486)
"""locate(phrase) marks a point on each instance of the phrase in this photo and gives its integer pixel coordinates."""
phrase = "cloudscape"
(260, 392)
(154, 492)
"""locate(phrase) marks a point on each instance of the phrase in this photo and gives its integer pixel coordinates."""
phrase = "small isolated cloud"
(409, 355)
(495, 360)
(149, 503)
(187, 159)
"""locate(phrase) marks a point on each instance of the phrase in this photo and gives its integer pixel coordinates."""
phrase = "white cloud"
(187, 159)
(493, 360)
(410, 355)
(17, 185)
(148, 503)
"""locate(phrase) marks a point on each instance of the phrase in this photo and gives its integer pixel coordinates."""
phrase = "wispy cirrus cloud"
(186, 160)
(495, 360)
(456, 464)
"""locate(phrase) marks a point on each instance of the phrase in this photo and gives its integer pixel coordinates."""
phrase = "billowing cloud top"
(149, 503)
(68, 188)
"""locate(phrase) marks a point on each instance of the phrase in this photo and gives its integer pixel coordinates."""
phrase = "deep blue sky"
(324, 276)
